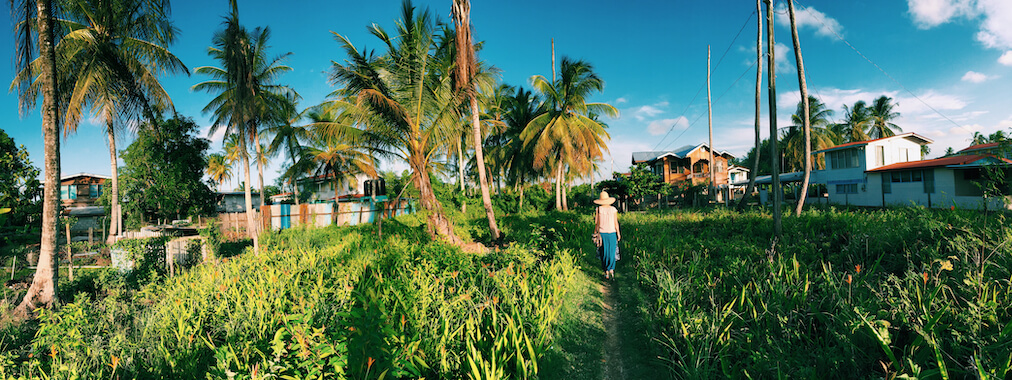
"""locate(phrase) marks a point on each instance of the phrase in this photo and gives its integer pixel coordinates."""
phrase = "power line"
(809, 10)
(747, 70)
(689, 104)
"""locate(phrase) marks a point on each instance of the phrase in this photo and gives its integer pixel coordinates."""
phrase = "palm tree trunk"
(438, 224)
(712, 189)
(558, 186)
(42, 292)
(565, 195)
(774, 157)
(251, 225)
(114, 197)
(460, 165)
(260, 171)
(480, 156)
(807, 119)
(758, 103)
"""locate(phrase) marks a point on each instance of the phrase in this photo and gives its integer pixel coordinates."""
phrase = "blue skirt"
(609, 241)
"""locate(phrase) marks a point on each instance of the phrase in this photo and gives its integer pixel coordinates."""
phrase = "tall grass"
(317, 303)
(900, 292)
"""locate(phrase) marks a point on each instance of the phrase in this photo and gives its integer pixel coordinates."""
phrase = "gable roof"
(638, 157)
(82, 174)
(966, 161)
(910, 135)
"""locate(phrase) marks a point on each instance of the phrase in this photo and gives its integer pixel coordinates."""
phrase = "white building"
(889, 172)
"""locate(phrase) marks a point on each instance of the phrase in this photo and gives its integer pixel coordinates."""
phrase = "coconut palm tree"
(794, 139)
(564, 134)
(35, 19)
(114, 52)
(288, 138)
(466, 65)
(218, 168)
(882, 115)
(247, 95)
(856, 122)
(405, 102)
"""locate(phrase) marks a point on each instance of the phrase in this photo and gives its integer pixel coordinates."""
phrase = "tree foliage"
(163, 177)
(19, 194)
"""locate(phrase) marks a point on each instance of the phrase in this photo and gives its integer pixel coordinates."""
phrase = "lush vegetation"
(885, 293)
(20, 208)
(336, 302)
(163, 176)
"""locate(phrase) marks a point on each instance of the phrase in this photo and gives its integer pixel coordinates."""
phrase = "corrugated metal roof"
(638, 157)
(966, 160)
(980, 147)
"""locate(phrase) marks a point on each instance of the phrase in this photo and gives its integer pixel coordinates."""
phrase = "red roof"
(981, 146)
(861, 143)
(937, 162)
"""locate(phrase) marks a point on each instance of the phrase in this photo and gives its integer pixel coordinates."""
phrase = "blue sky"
(953, 56)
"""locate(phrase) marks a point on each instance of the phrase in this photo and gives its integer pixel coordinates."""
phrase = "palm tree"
(114, 52)
(856, 122)
(882, 116)
(218, 168)
(466, 65)
(247, 96)
(793, 137)
(289, 138)
(341, 162)
(233, 153)
(564, 134)
(35, 19)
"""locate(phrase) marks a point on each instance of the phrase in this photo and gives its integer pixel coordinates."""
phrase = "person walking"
(606, 224)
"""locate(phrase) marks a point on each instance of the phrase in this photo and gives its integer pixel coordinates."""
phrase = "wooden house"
(82, 189)
(689, 164)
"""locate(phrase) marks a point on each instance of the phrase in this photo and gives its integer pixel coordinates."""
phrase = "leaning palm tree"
(882, 116)
(564, 134)
(114, 52)
(35, 19)
(466, 65)
(794, 139)
(404, 101)
(246, 96)
(856, 122)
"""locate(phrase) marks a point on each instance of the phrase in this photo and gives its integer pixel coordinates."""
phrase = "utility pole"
(774, 154)
(807, 112)
(758, 104)
(709, 116)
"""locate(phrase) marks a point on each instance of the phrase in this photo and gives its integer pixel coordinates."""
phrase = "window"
(68, 192)
(880, 156)
(94, 191)
(887, 185)
(929, 181)
(847, 189)
(844, 159)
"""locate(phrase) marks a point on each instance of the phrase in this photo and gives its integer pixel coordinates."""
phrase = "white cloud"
(975, 77)
(621, 100)
(644, 112)
(931, 13)
(1006, 59)
(216, 138)
(994, 17)
(809, 17)
(660, 127)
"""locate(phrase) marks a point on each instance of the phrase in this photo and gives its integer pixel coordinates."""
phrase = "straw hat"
(605, 199)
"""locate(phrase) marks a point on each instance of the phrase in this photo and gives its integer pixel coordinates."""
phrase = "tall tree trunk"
(480, 156)
(260, 172)
(565, 195)
(758, 104)
(558, 186)
(774, 156)
(709, 115)
(804, 100)
(42, 292)
(114, 197)
(521, 208)
(460, 165)
(251, 226)
(439, 226)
